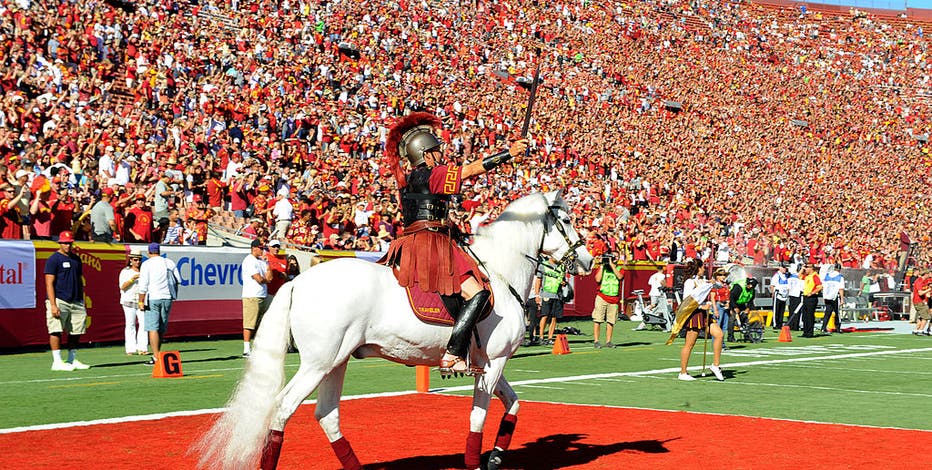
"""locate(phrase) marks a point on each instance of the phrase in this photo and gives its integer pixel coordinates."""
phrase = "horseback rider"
(427, 255)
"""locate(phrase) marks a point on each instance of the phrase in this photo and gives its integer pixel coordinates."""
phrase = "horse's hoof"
(495, 459)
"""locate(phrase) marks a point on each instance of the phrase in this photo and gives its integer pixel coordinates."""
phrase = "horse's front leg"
(506, 428)
(481, 397)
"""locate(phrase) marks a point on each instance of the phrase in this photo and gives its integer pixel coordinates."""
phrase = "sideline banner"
(102, 263)
(17, 274)
(208, 273)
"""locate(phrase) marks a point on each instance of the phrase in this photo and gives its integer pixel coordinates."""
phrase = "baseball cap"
(66, 237)
(108, 191)
(21, 173)
(255, 244)
(154, 248)
(140, 196)
(275, 243)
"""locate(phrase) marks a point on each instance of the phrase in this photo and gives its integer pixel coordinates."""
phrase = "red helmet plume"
(394, 141)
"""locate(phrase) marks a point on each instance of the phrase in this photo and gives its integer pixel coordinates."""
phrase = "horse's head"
(561, 241)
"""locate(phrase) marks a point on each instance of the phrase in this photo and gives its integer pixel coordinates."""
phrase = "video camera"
(607, 259)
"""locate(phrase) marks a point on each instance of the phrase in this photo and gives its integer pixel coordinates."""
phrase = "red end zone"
(429, 432)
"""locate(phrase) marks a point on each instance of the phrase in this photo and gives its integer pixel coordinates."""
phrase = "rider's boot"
(454, 359)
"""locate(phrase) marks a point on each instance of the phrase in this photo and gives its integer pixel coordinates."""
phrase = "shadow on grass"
(541, 352)
(550, 452)
(635, 343)
(214, 359)
(142, 361)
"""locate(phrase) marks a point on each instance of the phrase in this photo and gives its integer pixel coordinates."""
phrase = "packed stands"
(730, 130)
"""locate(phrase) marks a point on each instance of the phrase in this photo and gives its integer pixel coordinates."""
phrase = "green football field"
(877, 379)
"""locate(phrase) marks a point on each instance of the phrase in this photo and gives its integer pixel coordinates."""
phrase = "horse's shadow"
(543, 352)
(549, 452)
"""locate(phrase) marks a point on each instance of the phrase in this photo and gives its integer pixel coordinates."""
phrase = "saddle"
(434, 309)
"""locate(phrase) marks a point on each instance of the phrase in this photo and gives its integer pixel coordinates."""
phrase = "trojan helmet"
(411, 137)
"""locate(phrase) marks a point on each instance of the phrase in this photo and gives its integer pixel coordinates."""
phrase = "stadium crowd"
(677, 129)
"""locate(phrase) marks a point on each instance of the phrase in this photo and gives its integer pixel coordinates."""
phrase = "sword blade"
(530, 102)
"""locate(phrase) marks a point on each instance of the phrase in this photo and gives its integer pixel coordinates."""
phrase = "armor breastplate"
(417, 202)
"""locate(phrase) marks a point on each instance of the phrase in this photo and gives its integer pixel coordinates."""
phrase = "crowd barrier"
(209, 300)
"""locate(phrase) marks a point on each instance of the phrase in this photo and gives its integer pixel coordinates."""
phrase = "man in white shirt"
(779, 288)
(158, 286)
(658, 299)
(105, 166)
(833, 293)
(123, 171)
(361, 218)
(284, 213)
(256, 278)
(795, 294)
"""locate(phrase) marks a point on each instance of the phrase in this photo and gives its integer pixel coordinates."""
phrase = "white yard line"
(535, 383)
(671, 370)
(817, 387)
(147, 372)
(157, 416)
(875, 371)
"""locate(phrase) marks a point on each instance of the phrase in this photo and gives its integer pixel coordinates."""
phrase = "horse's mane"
(498, 243)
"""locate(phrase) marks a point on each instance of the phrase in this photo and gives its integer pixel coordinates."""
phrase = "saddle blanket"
(430, 308)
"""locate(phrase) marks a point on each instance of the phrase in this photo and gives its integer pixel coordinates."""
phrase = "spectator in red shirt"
(215, 191)
(11, 226)
(40, 211)
(139, 221)
(278, 265)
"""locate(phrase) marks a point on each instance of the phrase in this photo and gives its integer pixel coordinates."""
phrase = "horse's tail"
(238, 435)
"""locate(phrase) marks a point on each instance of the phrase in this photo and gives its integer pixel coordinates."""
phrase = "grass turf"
(881, 389)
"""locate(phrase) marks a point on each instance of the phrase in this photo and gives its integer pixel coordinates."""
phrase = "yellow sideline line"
(92, 384)
(209, 376)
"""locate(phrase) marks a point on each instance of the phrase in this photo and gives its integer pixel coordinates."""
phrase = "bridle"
(567, 260)
(570, 257)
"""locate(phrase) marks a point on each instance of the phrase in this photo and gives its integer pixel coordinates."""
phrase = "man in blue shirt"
(64, 310)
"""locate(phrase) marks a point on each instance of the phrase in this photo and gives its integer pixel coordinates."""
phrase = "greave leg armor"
(465, 322)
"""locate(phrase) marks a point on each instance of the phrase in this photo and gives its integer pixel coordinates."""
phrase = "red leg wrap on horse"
(272, 449)
(345, 453)
(474, 450)
(505, 430)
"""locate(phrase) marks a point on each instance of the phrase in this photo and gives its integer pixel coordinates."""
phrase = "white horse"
(331, 319)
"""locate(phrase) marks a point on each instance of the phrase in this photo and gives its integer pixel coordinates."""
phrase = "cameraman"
(608, 274)
(741, 300)
(548, 284)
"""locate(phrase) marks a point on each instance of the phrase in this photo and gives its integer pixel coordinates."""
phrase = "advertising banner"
(102, 263)
(208, 273)
(17, 274)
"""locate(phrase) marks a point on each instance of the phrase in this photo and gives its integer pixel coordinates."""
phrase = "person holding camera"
(608, 275)
(740, 301)
(548, 285)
